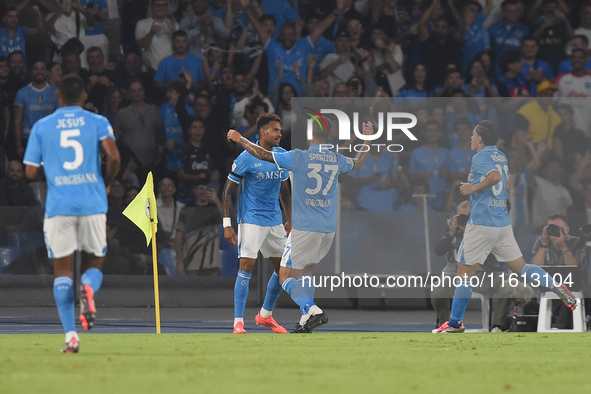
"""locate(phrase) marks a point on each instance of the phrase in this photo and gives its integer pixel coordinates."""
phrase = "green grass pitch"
(315, 363)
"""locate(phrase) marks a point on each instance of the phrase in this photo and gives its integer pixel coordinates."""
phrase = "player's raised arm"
(255, 150)
(113, 161)
(229, 190)
(359, 160)
(491, 179)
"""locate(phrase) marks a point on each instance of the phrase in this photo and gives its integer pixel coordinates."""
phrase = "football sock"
(294, 288)
(92, 277)
(541, 276)
(308, 286)
(241, 292)
(64, 299)
(273, 291)
(462, 297)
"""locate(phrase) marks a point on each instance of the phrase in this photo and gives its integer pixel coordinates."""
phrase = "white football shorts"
(66, 234)
(479, 241)
(268, 239)
(304, 248)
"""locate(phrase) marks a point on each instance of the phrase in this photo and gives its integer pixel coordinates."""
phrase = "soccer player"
(314, 190)
(259, 220)
(67, 144)
(489, 228)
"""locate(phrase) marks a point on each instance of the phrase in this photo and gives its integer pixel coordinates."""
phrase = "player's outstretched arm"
(285, 198)
(255, 150)
(113, 161)
(359, 160)
(229, 190)
(491, 179)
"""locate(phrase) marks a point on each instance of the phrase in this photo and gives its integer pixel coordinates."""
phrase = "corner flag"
(142, 210)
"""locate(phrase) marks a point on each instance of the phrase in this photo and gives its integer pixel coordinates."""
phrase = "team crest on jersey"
(260, 176)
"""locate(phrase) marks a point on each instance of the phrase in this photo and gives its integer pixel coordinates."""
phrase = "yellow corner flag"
(143, 208)
(142, 212)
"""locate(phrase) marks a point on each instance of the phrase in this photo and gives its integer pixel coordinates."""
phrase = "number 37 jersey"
(67, 144)
(488, 207)
(314, 191)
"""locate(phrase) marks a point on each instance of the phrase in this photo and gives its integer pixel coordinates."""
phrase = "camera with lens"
(586, 233)
(553, 230)
(463, 219)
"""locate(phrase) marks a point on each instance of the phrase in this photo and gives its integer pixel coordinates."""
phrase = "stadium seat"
(485, 307)
(7, 256)
(545, 315)
(25, 240)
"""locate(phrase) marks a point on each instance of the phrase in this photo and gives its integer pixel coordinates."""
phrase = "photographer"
(448, 244)
(557, 247)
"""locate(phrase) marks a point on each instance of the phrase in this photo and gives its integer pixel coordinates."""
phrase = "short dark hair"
(508, 2)
(14, 53)
(93, 49)
(488, 131)
(462, 121)
(268, 17)
(508, 57)
(267, 118)
(180, 33)
(558, 215)
(71, 88)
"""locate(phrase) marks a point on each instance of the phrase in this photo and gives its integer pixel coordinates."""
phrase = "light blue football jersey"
(488, 207)
(36, 104)
(67, 143)
(260, 183)
(314, 191)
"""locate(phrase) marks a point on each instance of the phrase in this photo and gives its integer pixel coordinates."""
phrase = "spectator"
(388, 58)
(169, 210)
(18, 78)
(476, 37)
(116, 194)
(283, 108)
(338, 67)
(320, 89)
(181, 62)
(534, 69)
(549, 193)
(138, 129)
(173, 129)
(458, 163)
(112, 104)
(579, 41)
(95, 11)
(448, 244)
(197, 240)
(204, 28)
(251, 113)
(12, 36)
(215, 132)
(14, 189)
(5, 103)
(416, 89)
(132, 70)
(98, 79)
(32, 103)
(463, 107)
(347, 19)
(557, 247)
(569, 143)
(580, 215)
(378, 181)
(288, 51)
(512, 83)
(242, 97)
(508, 33)
(324, 46)
(577, 84)
(537, 120)
(585, 22)
(64, 24)
(54, 73)
(452, 83)
(112, 28)
(553, 33)
(426, 161)
(154, 35)
(439, 48)
(196, 163)
(73, 65)
(479, 85)
(417, 186)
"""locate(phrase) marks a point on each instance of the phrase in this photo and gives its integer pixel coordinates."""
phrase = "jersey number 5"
(67, 141)
(315, 173)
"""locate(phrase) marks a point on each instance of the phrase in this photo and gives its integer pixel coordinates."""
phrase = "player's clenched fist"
(367, 128)
(234, 135)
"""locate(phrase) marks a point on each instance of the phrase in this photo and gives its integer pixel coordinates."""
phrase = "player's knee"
(247, 265)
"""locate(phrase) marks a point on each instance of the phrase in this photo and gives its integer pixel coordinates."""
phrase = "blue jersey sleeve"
(20, 98)
(346, 164)
(482, 165)
(105, 129)
(33, 151)
(283, 159)
(239, 168)
(161, 71)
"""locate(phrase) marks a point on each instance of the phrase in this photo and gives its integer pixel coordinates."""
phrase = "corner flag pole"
(155, 264)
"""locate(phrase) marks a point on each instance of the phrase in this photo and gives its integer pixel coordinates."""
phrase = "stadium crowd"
(173, 76)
